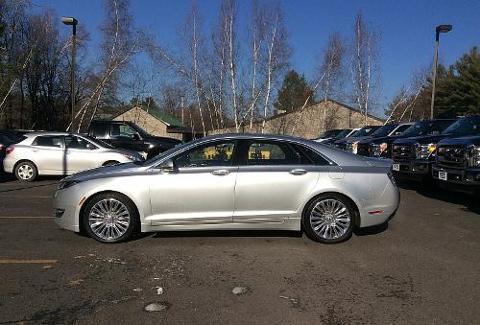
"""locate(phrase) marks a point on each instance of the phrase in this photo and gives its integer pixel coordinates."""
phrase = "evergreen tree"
(294, 92)
(459, 91)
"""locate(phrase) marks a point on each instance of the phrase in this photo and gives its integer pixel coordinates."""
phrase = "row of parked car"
(28, 154)
(444, 150)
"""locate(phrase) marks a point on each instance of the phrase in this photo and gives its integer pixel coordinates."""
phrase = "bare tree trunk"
(269, 72)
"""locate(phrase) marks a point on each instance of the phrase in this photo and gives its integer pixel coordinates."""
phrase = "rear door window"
(48, 141)
(261, 153)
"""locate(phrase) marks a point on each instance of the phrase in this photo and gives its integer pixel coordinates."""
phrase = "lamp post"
(71, 21)
(439, 29)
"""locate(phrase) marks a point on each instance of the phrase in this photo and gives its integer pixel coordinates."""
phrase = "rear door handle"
(298, 171)
(220, 172)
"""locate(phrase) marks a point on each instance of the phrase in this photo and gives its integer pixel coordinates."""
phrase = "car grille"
(363, 149)
(452, 156)
(402, 152)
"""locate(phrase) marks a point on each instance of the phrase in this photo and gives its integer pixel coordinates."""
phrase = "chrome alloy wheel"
(330, 219)
(25, 172)
(109, 219)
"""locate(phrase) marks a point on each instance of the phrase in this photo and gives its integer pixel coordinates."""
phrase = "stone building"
(155, 122)
(313, 120)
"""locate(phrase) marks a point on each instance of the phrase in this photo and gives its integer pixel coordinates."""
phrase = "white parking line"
(26, 217)
(19, 261)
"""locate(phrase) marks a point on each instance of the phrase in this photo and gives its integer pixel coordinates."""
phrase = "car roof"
(46, 133)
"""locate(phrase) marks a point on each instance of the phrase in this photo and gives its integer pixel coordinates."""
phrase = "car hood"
(110, 171)
(424, 139)
(388, 139)
(466, 141)
(352, 139)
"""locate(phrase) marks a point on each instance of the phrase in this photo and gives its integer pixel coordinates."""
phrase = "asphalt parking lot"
(423, 269)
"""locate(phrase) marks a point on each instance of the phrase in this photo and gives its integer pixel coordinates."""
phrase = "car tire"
(110, 218)
(26, 171)
(329, 218)
(110, 163)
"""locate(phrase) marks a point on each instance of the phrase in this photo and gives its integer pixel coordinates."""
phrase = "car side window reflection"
(48, 141)
(210, 155)
(73, 142)
(272, 153)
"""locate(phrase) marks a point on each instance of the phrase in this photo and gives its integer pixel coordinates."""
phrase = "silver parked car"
(49, 153)
(232, 182)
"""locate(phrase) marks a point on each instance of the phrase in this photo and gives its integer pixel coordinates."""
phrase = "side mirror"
(166, 166)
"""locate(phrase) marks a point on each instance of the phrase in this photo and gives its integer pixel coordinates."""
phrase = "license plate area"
(442, 175)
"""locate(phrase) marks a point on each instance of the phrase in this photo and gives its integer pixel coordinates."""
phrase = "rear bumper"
(383, 210)
(467, 179)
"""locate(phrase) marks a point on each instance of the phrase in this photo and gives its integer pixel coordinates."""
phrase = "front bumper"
(412, 168)
(460, 179)
(66, 210)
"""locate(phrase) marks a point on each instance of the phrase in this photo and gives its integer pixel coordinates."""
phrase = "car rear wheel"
(110, 218)
(26, 171)
(329, 218)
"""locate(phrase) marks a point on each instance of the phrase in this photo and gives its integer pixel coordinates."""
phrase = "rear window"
(99, 130)
(48, 141)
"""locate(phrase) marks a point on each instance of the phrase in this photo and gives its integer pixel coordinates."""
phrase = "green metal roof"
(165, 117)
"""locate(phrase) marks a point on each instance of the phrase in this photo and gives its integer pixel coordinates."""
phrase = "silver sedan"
(58, 153)
(232, 182)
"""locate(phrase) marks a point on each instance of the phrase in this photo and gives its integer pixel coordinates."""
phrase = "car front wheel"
(329, 219)
(110, 218)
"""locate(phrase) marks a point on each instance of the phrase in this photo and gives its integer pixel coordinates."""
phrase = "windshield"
(98, 142)
(342, 134)
(423, 128)
(384, 130)
(329, 134)
(465, 126)
(367, 130)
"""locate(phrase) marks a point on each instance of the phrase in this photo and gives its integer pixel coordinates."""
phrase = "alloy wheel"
(109, 219)
(330, 219)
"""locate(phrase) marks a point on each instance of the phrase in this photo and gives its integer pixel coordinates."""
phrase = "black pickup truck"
(128, 135)
(414, 152)
(457, 164)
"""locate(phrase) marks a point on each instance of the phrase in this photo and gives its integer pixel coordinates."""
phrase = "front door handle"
(220, 172)
(298, 171)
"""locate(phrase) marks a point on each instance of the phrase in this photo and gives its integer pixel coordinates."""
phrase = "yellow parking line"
(17, 261)
(26, 217)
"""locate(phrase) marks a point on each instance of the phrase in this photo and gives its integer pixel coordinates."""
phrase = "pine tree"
(459, 90)
(294, 92)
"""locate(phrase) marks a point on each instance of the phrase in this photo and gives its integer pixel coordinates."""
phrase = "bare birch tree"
(120, 43)
(277, 53)
(363, 64)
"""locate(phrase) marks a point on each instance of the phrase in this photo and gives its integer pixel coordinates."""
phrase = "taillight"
(1, 147)
(9, 149)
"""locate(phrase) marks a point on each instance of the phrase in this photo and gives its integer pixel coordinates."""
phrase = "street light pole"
(438, 30)
(73, 22)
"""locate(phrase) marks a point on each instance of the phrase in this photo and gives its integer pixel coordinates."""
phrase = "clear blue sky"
(406, 26)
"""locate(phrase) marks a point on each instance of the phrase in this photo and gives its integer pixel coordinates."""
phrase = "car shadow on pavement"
(373, 230)
(7, 179)
(228, 233)
(436, 193)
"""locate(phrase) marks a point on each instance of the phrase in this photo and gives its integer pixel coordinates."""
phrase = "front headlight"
(132, 157)
(67, 183)
(425, 151)
(354, 147)
(475, 156)
(379, 150)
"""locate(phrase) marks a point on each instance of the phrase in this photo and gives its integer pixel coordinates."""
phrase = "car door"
(80, 154)
(48, 154)
(274, 178)
(200, 189)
